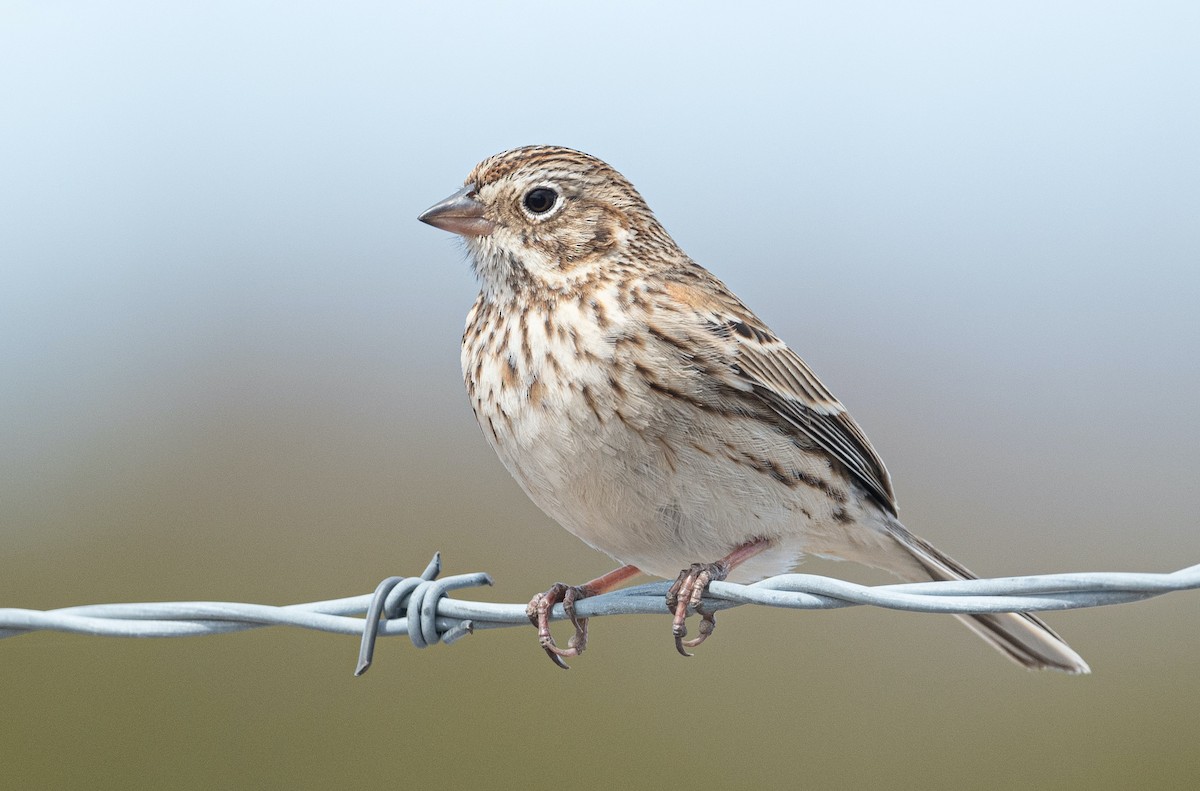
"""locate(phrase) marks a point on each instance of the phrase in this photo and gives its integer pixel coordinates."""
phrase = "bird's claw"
(686, 593)
(538, 612)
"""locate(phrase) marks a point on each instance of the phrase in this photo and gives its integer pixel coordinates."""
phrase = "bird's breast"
(562, 405)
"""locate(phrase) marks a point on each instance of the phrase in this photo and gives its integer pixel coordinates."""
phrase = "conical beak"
(460, 214)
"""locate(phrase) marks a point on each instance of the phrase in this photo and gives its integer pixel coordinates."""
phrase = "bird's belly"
(669, 487)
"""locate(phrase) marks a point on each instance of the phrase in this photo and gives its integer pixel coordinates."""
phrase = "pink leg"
(689, 588)
(540, 606)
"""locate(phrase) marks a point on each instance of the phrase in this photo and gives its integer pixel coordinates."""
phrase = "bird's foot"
(538, 613)
(687, 593)
(540, 607)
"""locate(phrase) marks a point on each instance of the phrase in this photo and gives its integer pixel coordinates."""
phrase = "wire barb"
(420, 607)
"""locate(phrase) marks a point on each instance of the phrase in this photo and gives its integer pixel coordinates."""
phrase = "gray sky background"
(229, 353)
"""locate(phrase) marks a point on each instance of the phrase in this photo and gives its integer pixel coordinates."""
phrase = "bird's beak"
(460, 214)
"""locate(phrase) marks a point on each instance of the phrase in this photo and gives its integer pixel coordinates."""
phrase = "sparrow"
(642, 406)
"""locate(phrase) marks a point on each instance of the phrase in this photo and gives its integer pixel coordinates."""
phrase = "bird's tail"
(1022, 637)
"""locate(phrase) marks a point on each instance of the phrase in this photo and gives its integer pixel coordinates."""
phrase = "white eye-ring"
(540, 201)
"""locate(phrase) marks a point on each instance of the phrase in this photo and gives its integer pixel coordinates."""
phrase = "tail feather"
(1022, 637)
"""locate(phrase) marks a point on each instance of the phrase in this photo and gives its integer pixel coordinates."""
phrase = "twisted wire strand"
(420, 608)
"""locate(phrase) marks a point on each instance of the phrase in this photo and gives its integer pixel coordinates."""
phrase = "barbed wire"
(420, 608)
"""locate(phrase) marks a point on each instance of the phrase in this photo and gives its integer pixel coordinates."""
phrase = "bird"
(645, 408)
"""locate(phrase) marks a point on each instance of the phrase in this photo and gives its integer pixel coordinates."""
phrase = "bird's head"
(545, 217)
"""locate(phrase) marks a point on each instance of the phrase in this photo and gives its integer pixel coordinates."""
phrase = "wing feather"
(776, 375)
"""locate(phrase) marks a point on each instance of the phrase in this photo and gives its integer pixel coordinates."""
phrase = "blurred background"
(229, 371)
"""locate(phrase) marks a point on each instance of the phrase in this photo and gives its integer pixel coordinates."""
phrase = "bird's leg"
(540, 606)
(689, 587)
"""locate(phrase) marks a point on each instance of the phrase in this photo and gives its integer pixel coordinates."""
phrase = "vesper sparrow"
(641, 405)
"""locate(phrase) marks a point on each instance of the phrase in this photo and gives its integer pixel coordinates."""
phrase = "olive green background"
(229, 371)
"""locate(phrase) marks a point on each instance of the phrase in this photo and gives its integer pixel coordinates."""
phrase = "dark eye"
(540, 200)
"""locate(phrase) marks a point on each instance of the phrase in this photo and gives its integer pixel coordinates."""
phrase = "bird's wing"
(762, 365)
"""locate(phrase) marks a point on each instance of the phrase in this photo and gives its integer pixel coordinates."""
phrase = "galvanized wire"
(420, 607)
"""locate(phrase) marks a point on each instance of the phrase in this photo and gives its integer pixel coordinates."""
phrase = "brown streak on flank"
(769, 467)
(696, 403)
(547, 326)
(492, 428)
(644, 372)
(822, 485)
(617, 388)
(668, 454)
(509, 373)
(788, 478)
(682, 345)
(537, 391)
(590, 400)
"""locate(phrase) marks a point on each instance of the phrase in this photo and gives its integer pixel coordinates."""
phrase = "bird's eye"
(540, 200)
